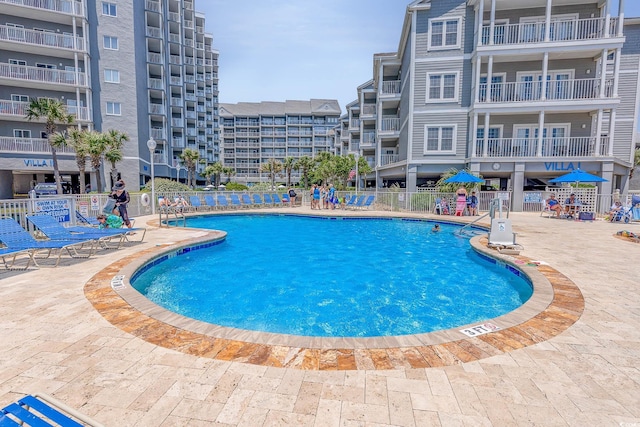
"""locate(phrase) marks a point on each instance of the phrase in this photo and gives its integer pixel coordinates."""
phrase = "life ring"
(145, 199)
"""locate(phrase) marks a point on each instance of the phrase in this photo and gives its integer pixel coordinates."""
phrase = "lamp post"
(151, 144)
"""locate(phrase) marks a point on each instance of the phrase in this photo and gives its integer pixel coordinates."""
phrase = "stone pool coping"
(555, 305)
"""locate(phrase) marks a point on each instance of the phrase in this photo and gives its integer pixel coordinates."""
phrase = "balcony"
(70, 7)
(177, 122)
(45, 76)
(155, 83)
(368, 110)
(387, 159)
(389, 125)
(29, 145)
(368, 140)
(18, 110)
(565, 90)
(158, 133)
(354, 124)
(160, 158)
(561, 30)
(390, 88)
(568, 147)
(156, 108)
(154, 58)
(41, 38)
(82, 114)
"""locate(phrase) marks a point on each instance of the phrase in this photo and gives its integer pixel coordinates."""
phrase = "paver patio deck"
(55, 341)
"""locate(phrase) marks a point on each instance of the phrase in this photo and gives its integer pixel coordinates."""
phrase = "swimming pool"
(336, 277)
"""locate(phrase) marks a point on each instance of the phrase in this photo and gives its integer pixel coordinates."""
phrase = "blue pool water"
(333, 277)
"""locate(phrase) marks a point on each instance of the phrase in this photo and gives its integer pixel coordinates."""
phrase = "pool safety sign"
(481, 329)
(60, 209)
(117, 282)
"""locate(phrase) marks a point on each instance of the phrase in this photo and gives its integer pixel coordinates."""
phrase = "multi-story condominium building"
(517, 92)
(253, 133)
(145, 68)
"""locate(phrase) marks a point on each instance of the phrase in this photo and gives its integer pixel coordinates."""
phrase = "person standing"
(331, 197)
(292, 197)
(121, 196)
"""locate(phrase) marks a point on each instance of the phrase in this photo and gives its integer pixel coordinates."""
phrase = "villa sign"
(561, 166)
(38, 163)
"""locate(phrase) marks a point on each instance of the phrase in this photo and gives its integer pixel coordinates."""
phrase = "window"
(21, 133)
(113, 109)
(444, 34)
(439, 139)
(110, 42)
(17, 62)
(111, 76)
(108, 9)
(442, 87)
(19, 98)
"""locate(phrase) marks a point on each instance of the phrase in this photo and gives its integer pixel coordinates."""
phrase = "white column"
(547, 21)
(603, 70)
(598, 133)
(477, 77)
(485, 138)
(489, 77)
(540, 133)
(620, 17)
(612, 131)
(545, 73)
(616, 72)
(480, 22)
(492, 23)
(474, 135)
(607, 18)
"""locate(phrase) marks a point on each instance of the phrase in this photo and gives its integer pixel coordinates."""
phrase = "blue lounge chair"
(17, 238)
(10, 257)
(210, 201)
(43, 410)
(246, 200)
(367, 202)
(276, 199)
(51, 228)
(91, 221)
(235, 201)
(257, 200)
(222, 201)
(268, 201)
(285, 198)
(352, 201)
(196, 204)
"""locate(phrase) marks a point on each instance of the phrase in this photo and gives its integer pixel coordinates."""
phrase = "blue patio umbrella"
(578, 176)
(463, 177)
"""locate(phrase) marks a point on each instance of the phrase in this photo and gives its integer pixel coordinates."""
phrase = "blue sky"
(274, 50)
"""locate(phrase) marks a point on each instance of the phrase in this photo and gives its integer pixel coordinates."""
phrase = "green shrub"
(163, 185)
(234, 186)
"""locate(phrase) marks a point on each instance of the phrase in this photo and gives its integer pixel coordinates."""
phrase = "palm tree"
(363, 168)
(53, 112)
(190, 159)
(272, 167)
(98, 145)
(114, 154)
(229, 171)
(209, 172)
(217, 169)
(306, 164)
(289, 165)
(77, 140)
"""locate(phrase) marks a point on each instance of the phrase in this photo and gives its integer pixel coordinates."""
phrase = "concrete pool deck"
(55, 341)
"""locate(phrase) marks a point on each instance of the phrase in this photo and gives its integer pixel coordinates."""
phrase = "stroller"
(625, 213)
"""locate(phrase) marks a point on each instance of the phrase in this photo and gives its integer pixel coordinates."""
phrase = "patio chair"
(358, 203)
(246, 200)
(285, 198)
(257, 200)
(502, 238)
(52, 229)
(268, 201)
(276, 200)
(10, 257)
(222, 201)
(196, 204)
(352, 201)
(367, 203)
(42, 410)
(235, 201)
(16, 238)
(210, 201)
(90, 221)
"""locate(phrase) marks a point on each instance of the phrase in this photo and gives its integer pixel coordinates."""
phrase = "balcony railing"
(387, 159)
(368, 110)
(41, 38)
(42, 75)
(551, 147)
(156, 108)
(560, 30)
(368, 138)
(29, 145)
(154, 58)
(567, 90)
(72, 7)
(82, 114)
(154, 32)
(390, 125)
(158, 133)
(390, 87)
(354, 124)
